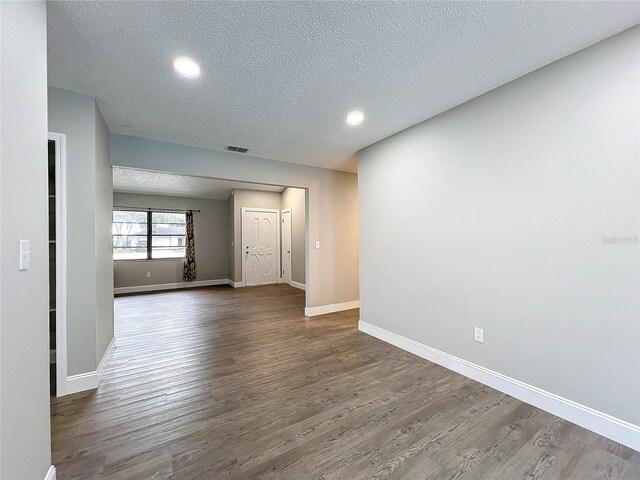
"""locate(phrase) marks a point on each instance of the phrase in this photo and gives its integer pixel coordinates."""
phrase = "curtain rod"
(150, 209)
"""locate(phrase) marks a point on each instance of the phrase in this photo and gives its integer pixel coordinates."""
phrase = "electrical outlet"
(478, 335)
(148, 274)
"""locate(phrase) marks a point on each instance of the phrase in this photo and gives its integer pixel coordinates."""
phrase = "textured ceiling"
(128, 180)
(279, 77)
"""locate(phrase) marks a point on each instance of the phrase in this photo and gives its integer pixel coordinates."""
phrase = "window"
(129, 235)
(148, 235)
(167, 235)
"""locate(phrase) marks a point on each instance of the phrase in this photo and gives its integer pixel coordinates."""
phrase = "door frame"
(242, 233)
(61, 262)
(282, 252)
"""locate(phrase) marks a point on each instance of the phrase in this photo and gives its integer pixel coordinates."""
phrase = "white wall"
(73, 114)
(332, 270)
(212, 230)
(496, 213)
(25, 449)
(89, 216)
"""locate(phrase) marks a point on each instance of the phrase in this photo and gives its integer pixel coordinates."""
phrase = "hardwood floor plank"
(236, 383)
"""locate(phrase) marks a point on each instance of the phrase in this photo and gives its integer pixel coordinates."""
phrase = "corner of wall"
(24, 374)
(103, 239)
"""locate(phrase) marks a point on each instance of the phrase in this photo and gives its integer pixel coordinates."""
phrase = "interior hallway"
(235, 383)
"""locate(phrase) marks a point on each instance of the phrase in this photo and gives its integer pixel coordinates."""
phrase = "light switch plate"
(25, 254)
(317, 243)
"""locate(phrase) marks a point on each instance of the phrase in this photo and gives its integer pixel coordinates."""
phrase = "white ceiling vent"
(233, 148)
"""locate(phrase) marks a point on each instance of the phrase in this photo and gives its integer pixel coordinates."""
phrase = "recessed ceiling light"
(186, 67)
(355, 118)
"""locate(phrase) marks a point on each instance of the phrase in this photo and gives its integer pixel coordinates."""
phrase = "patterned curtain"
(190, 256)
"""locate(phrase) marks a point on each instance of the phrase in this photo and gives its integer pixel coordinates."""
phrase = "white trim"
(51, 473)
(256, 209)
(587, 417)
(61, 262)
(331, 308)
(301, 286)
(81, 382)
(90, 380)
(268, 210)
(172, 286)
(234, 284)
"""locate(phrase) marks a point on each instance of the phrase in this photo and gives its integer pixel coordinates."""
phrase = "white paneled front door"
(260, 238)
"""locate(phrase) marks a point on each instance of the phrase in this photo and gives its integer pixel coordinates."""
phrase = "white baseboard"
(106, 358)
(172, 286)
(90, 380)
(331, 308)
(51, 473)
(234, 284)
(81, 382)
(606, 425)
(301, 286)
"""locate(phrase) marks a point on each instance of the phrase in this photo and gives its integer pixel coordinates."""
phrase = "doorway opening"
(238, 232)
(286, 242)
(57, 264)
